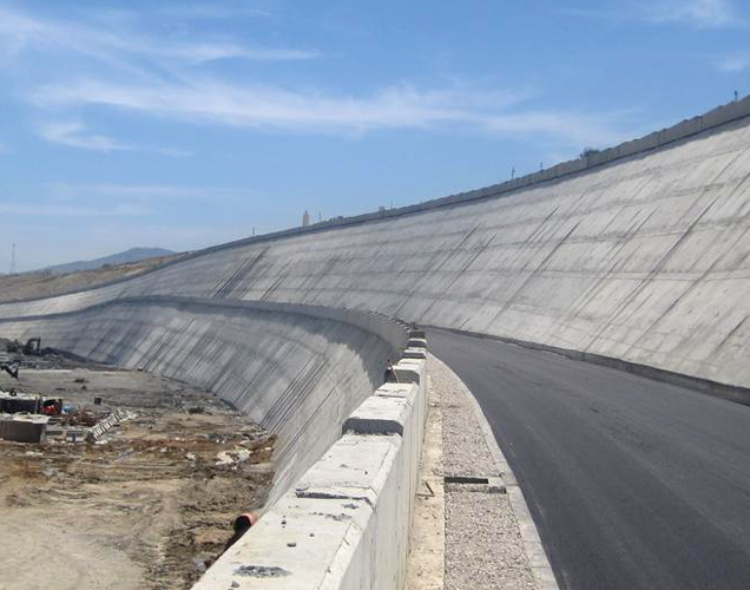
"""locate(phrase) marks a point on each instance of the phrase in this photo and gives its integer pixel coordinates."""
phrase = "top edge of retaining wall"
(393, 331)
(708, 121)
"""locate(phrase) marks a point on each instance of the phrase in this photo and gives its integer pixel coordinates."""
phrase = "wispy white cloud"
(157, 78)
(699, 14)
(708, 14)
(75, 134)
(205, 52)
(734, 63)
(273, 108)
(21, 32)
(258, 106)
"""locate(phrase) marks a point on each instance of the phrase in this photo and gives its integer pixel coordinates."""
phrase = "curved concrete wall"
(297, 373)
(641, 254)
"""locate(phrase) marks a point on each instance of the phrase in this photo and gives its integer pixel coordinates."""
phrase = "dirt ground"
(41, 284)
(149, 506)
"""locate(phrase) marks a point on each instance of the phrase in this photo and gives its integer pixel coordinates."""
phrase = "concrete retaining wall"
(641, 253)
(297, 371)
(302, 372)
(346, 523)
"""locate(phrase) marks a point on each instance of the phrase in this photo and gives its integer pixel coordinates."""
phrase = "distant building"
(305, 219)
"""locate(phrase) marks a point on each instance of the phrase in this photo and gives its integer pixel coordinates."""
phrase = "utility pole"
(13, 259)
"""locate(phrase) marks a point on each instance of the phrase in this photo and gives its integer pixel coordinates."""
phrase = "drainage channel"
(486, 485)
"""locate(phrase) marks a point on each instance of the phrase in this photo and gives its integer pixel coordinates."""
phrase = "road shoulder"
(490, 539)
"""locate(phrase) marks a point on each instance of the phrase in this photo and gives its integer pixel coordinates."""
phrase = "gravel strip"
(483, 543)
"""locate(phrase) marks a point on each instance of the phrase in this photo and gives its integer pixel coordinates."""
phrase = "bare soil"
(149, 506)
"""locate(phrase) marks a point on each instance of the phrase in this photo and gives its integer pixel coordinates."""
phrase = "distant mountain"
(132, 255)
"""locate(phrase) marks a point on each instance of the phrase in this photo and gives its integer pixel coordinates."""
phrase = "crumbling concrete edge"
(346, 524)
(538, 560)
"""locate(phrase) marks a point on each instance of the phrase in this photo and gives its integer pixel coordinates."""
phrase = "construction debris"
(27, 428)
(127, 482)
(12, 402)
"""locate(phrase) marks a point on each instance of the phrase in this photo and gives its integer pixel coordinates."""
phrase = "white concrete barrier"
(346, 524)
(414, 353)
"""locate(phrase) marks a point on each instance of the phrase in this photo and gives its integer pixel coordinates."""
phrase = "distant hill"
(132, 255)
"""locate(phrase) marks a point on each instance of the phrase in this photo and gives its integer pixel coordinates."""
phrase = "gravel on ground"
(483, 544)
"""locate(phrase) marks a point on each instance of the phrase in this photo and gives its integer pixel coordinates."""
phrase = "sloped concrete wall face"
(298, 376)
(644, 259)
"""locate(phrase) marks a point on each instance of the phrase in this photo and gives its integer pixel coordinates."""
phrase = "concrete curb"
(540, 566)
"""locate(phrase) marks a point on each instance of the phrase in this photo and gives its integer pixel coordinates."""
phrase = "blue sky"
(186, 124)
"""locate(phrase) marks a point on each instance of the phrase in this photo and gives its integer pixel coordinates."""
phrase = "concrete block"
(300, 544)
(343, 527)
(410, 370)
(400, 390)
(23, 430)
(406, 374)
(355, 467)
(414, 353)
(12, 404)
(357, 501)
(383, 414)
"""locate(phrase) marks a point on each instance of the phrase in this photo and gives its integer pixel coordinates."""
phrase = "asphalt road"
(633, 483)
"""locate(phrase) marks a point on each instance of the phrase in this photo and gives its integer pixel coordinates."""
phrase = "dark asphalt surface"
(633, 483)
